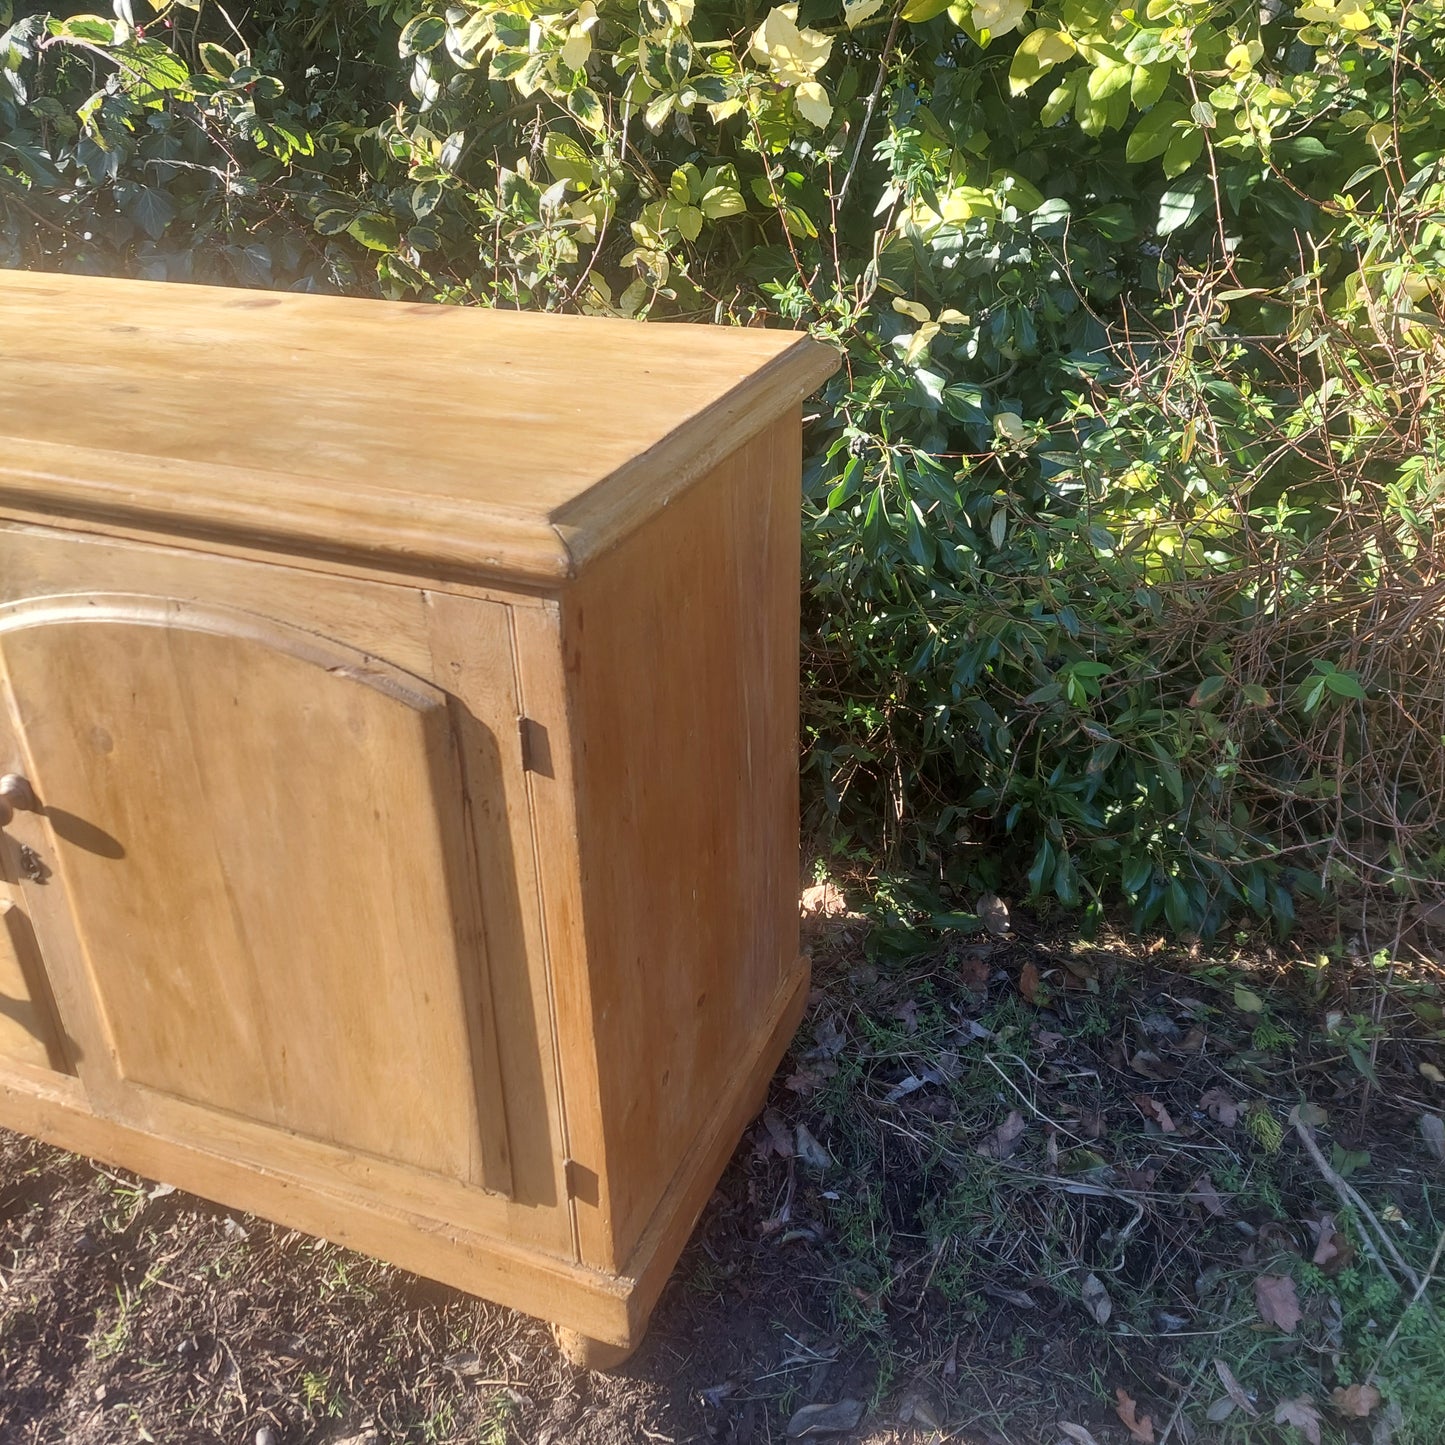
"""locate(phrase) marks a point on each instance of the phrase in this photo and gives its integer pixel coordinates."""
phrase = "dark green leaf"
(151, 209)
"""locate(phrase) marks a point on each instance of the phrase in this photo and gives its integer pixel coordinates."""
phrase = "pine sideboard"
(398, 767)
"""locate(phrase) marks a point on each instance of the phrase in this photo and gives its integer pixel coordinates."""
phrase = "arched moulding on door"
(259, 833)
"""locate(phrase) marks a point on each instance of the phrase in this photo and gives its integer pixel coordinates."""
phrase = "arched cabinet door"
(257, 838)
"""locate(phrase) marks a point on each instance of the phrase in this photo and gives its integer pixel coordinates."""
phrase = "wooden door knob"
(16, 793)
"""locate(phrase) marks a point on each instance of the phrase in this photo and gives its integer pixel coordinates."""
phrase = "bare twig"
(1351, 1199)
(883, 57)
(1185, 1396)
(1414, 1300)
(1029, 1103)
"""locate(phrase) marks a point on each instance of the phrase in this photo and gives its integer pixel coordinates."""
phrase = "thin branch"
(1414, 1300)
(872, 103)
(1350, 1197)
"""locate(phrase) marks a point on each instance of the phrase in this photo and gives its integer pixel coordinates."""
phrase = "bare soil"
(992, 1114)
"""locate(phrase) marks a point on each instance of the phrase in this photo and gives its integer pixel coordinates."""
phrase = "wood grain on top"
(488, 442)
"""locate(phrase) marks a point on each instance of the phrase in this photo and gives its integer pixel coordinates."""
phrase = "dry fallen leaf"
(1384, 1425)
(466, 1363)
(1277, 1301)
(1356, 1402)
(1204, 1194)
(806, 1079)
(822, 900)
(1333, 1252)
(1148, 1063)
(918, 1407)
(1076, 1433)
(1432, 1130)
(828, 1039)
(973, 971)
(1273, 1238)
(825, 1419)
(810, 1151)
(1096, 1299)
(1158, 1024)
(1234, 1389)
(1141, 1179)
(945, 1067)
(1005, 1139)
(1221, 1106)
(1019, 1299)
(1140, 1427)
(1079, 975)
(1429, 916)
(903, 1088)
(1153, 1109)
(994, 913)
(1302, 1414)
(1030, 981)
(779, 1135)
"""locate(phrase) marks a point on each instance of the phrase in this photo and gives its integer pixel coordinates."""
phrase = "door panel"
(260, 836)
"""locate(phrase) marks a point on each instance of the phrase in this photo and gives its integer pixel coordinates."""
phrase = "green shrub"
(1120, 519)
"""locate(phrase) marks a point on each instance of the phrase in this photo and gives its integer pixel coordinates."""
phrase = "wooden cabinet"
(398, 712)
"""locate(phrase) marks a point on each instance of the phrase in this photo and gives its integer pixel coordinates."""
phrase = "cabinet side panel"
(682, 648)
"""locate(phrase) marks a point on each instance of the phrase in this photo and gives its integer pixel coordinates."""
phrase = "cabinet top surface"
(497, 442)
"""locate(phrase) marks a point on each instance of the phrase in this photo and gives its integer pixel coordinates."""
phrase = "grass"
(497, 1419)
(111, 1339)
(1119, 1174)
(1056, 1171)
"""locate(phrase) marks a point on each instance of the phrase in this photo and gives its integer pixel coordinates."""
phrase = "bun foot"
(589, 1354)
